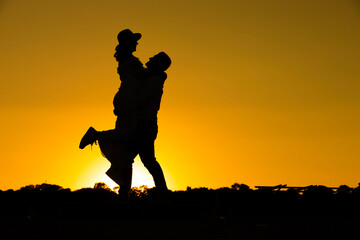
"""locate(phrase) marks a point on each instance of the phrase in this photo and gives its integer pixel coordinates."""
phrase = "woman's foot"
(89, 138)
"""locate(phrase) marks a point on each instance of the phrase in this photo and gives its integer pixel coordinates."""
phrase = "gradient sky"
(259, 92)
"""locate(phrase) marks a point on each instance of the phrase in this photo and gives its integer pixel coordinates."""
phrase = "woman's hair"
(124, 48)
(117, 50)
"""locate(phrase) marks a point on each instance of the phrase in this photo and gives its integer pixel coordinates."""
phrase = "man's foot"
(89, 138)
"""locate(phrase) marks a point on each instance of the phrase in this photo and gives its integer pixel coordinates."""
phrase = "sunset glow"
(94, 172)
(259, 92)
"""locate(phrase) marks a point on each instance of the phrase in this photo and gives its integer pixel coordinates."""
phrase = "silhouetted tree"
(344, 190)
(356, 192)
(28, 188)
(240, 187)
(48, 187)
(139, 192)
(101, 185)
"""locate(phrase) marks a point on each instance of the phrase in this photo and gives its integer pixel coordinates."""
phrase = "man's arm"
(152, 87)
(132, 68)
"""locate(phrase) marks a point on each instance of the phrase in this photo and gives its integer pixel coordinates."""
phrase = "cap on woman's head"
(128, 36)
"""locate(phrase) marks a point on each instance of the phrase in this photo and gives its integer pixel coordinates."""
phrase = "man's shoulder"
(132, 64)
(155, 81)
(159, 76)
(134, 59)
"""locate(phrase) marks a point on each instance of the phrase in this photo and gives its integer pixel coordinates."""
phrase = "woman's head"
(159, 63)
(127, 43)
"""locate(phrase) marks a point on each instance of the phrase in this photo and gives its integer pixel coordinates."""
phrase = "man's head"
(159, 63)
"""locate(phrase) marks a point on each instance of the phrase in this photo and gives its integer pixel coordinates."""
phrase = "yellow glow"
(95, 170)
(259, 92)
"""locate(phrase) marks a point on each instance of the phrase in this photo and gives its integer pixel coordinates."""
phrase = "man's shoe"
(89, 138)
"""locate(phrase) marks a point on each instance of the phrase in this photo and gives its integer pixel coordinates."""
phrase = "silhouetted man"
(147, 103)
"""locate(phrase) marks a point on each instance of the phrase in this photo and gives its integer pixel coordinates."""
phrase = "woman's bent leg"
(122, 176)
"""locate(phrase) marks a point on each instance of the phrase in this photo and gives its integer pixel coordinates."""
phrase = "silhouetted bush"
(32, 201)
(139, 192)
(101, 185)
(240, 187)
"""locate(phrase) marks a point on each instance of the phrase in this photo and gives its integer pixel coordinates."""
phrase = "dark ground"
(193, 214)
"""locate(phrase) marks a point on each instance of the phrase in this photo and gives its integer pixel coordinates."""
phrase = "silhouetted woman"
(114, 144)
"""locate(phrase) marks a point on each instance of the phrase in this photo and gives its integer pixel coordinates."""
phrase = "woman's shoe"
(89, 138)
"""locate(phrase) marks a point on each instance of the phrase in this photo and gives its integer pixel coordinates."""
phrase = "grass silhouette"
(48, 211)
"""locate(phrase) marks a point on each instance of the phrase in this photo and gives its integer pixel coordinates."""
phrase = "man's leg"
(146, 138)
(148, 159)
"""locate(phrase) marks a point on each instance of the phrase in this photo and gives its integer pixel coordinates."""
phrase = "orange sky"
(260, 92)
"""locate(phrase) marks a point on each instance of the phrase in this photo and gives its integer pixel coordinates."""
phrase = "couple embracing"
(136, 105)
